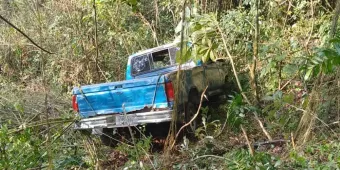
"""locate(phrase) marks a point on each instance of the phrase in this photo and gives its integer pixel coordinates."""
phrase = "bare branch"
(251, 149)
(16, 28)
(192, 119)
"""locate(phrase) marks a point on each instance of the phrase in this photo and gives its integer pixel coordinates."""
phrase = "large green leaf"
(325, 60)
(308, 73)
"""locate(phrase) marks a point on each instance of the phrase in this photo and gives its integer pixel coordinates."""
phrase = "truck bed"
(123, 96)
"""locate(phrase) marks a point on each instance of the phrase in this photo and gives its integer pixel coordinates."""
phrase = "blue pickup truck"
(147, 95)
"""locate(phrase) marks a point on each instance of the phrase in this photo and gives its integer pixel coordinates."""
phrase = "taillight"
(169, 91)
(74, 103)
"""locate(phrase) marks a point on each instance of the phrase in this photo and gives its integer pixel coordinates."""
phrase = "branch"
(146, 22)
(16, 28)
(311, 30)
(96, 38)
(251, 149)
(192, 119)
(335, 19)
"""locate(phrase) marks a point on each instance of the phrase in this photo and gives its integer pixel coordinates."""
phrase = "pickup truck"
(147, 95)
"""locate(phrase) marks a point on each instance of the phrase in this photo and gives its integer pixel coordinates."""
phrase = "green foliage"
(277, 110)
(294, 46)
(19, 150)
(241, 159)
(70, 161)
(24, 149)
(238, 28)
(138, 151)
(325, 60)
(200, 31)
(236, 111)
(124, 27)
(323, 155)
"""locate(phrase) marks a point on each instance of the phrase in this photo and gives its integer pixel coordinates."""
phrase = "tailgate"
(108, 98)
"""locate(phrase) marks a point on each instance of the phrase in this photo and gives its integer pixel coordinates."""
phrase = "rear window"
(140, 64)
(152, 61)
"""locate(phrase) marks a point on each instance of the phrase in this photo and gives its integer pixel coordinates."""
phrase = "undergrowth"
(297, 74)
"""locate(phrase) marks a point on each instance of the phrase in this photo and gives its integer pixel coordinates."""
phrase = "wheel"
(108, 138)
(191, 108)
(85, 132)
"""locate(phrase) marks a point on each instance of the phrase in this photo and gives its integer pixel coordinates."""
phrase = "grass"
(221, 144)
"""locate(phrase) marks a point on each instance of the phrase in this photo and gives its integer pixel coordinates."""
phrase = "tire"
(85, 132)
(191, 108)
(108, 139)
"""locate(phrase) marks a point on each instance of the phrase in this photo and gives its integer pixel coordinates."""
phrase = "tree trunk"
(219, 11)
(96, 40)
(335, 19)
(252, 72)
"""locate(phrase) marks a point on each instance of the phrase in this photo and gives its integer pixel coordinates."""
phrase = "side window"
(161, 59)
(140, 64)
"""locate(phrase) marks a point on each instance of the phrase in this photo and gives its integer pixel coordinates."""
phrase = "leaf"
(205, 57)
(308, 73)
(132, 2)
(212, 56)
(316, 71)
(186, 55)
(336, 44)
(329, 67)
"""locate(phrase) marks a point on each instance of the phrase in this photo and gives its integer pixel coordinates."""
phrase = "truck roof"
(155, 49)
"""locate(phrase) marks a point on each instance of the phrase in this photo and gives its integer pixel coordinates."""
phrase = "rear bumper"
(124, 120)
